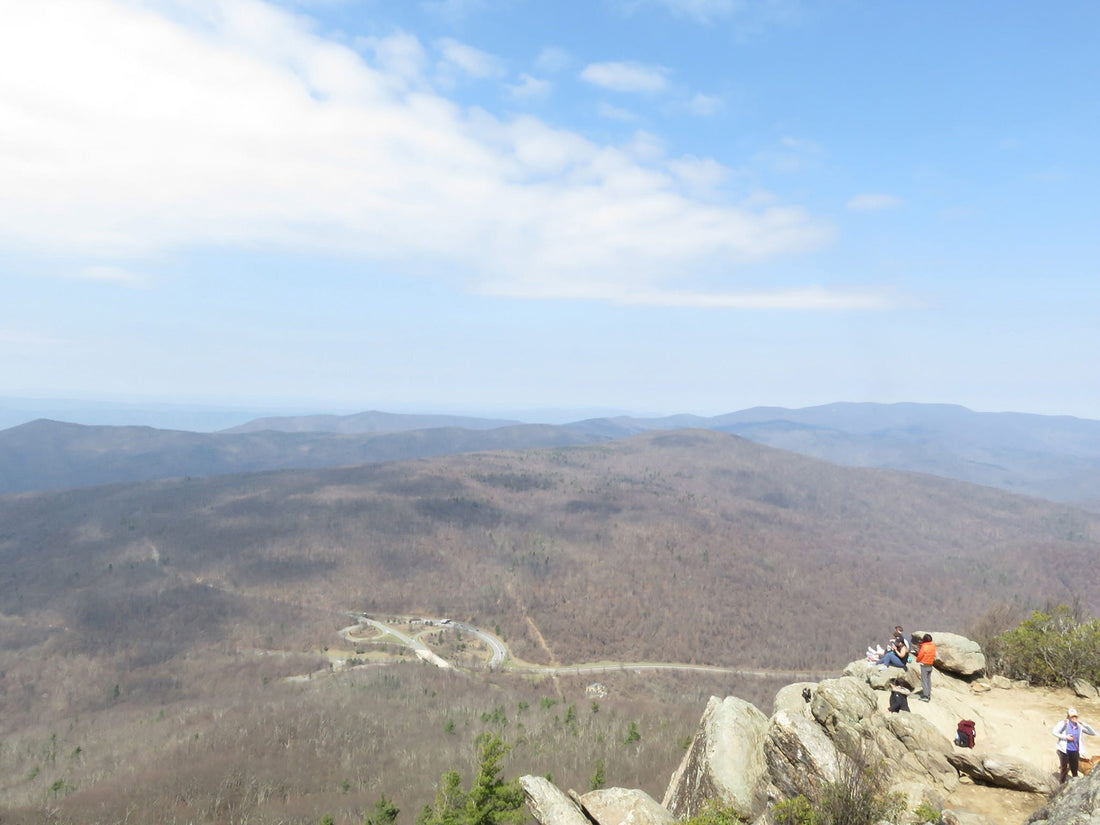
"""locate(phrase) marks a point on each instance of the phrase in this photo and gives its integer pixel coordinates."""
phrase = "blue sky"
(653, 206)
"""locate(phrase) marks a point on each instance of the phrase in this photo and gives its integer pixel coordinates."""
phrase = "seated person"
(897, 651)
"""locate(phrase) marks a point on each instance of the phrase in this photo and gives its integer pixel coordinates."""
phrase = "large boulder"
(622, 806)
(958, 654)
(839, 705)
(879, 679)
(1077, 803)
(794, 698)
(800, 757)
(549, 805)
(724, 763)
(1002, 772)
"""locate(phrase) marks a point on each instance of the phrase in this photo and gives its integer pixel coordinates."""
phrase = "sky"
(472, 206)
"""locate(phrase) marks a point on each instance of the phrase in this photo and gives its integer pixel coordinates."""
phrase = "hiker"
(899, 695)
(897, 651)
(926, 657)
(1069, 732)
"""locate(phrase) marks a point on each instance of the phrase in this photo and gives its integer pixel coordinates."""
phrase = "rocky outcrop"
(619, 806)
(879, 679)
(818, 733)
(958, 654)
(1076, 803)
(725, 762)
(549, 805)
(1002, 772)
(799, 755)
(795, 698)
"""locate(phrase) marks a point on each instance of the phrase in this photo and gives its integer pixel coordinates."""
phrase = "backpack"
(964, 734)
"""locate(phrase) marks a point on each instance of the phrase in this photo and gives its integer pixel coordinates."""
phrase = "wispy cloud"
(705, 105)
(626, 77)
(530, 88)
(553, 59)
(874, 202)
(610, 112)
(473, 62)
(274, 137)
(808, 299)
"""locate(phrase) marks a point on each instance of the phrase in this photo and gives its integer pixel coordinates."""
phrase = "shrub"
(713, 813)
(858, 797)
(1052, 649)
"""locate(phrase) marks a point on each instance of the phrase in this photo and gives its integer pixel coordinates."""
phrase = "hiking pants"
(926, 681)
(1069, 763)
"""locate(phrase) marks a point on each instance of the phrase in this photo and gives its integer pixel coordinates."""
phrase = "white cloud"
(705, 105)
(131, 133)
(626, 77)
(469, 60)
(400, 56)
(610, 112)
(874, 202)
(700, 174)
(530, 88)
(813, 298)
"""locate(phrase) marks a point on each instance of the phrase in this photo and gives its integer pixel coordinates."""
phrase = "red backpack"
(964, 734)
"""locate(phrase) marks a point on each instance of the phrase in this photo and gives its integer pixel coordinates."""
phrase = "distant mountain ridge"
(1054, 457)
(368, 422)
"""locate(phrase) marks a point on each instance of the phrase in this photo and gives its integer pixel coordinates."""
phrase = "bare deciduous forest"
(147, 631)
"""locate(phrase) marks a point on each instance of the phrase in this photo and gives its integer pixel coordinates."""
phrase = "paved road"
(499, 654)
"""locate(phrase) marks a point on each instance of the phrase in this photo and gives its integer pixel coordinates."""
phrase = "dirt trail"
(1015, 723)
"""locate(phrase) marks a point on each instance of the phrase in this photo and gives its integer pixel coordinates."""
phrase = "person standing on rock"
(926, 656)
(1069, 732)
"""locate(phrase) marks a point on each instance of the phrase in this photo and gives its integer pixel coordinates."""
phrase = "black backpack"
(964, 734)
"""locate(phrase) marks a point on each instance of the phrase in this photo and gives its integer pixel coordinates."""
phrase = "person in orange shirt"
(926, 656)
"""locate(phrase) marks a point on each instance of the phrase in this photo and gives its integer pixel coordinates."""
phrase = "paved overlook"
(500, 658)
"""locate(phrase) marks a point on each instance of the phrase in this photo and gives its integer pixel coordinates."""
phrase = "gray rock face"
(1076, 803)
(791, 699)
(724, 763)
(549, 805)
(839, 705)
(958, 654)
(880, 679)
(1002, 772)
(619, 806)
(800, 756)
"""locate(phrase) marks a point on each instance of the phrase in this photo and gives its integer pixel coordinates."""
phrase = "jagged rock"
(1002, 772)
(926, 746)
(1083, 689)
(621, 806)
(1076, 803)
(952, 817)
(1001, 682)
(725, 762)
(957, 654)
(792, 699)
(879, 679)
(800, 756)
(549, 805)
(839, 705)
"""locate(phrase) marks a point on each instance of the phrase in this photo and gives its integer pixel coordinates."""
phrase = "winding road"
(501, 658)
